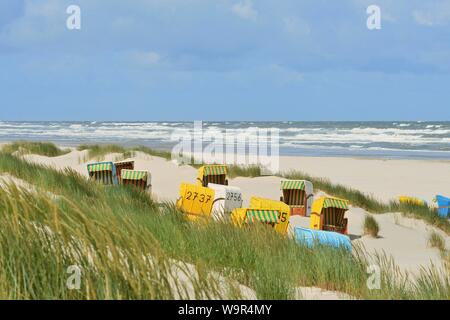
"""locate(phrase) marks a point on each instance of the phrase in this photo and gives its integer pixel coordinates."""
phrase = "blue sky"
(224, 60)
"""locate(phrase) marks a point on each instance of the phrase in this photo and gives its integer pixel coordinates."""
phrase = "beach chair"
(412, 200)
(298, 195)
(136, 178)
(226, 199)
(216, 174)
(103, 172)
(127, 165)
(310, 238)
(246, 216)
(328, 215)
(443, 206)
(282, 209)
(196, 201)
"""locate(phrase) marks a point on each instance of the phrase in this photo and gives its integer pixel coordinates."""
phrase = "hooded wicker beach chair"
(136, 178)
(103, 172)
(226, 199)
(443, 206)
(282, 209)
(298, 195)
(212, 174)
(127, 165)
(196, 201)
(245, 216)
(328, 214)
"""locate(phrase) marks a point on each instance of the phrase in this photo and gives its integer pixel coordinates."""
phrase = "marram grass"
(41, 148)
(129, 247)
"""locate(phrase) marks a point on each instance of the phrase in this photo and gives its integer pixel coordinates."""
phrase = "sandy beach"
(405, 239)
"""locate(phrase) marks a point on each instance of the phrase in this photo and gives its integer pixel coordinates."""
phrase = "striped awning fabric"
(134, 175)
(215, 170)
(100, 166)
(267, 216)
(292, 185)
(335, 203)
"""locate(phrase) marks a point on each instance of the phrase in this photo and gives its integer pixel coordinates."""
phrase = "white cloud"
(436, 15)
(245, 10)
(147, 58)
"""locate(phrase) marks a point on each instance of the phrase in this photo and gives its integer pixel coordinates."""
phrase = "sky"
(225, 60)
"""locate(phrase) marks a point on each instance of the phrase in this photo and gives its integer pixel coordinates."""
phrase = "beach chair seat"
(216, 174)
(136, 178)
(298, 195)
(328, 214)
(120, 165)
(103, 172)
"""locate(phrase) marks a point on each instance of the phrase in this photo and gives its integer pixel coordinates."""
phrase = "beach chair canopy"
(329, 202)
(134, 175)
(212, 174)
(293, 185)
(100, 166)
(265, 216)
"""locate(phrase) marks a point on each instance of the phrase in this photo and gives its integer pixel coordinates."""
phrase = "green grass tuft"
(435, 240)
(371, 226)
(40, 148)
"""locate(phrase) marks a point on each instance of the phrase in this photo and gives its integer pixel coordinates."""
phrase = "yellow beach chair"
(282, 209)
(412, 200)
(196, 201)
(328, 215)
(212, 174)
(298, 195)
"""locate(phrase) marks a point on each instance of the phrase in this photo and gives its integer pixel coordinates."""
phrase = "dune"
(385, 179)
(405, 239)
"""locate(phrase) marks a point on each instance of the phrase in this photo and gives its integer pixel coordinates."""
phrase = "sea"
(397, 139)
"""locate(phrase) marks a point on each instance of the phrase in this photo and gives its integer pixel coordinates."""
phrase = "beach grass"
(249, 171)
(371, 226)
(40, 148)
(435, 240)
(127, 246)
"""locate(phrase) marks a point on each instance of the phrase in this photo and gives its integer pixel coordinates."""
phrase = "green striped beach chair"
(128, 165)
(103, 172)
(298, 195)
(216, 174)
(328, 214)
(139, 179)
(265, 216)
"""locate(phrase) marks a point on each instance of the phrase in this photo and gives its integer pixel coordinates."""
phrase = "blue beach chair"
(310, 237)
(443, 206)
